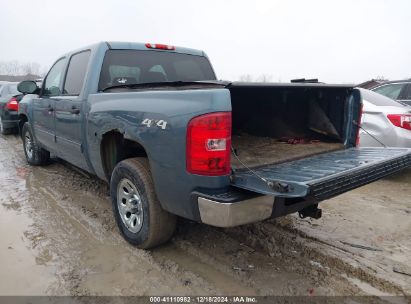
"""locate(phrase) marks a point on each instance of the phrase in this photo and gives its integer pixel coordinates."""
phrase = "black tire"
(157, 225)
(37, 156)
(3, 130)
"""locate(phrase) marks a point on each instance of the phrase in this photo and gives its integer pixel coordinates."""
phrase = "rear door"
(44, 105)
(325, 175)
(69, 112)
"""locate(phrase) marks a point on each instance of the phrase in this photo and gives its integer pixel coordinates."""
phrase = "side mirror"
(27, 87)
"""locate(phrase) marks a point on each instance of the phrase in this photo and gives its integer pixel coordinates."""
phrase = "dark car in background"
(9, 106)
(398, 90)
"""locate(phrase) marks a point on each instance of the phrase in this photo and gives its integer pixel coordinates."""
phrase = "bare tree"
(30, 68)
(381, 78)
(264, 78)
(14, 68)
(26, 68)
(246, 78)
(43, 71)
(2, 67)
(11, 67)
(261, 78)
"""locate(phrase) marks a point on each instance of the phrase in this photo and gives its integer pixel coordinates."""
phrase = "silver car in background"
(384, 121)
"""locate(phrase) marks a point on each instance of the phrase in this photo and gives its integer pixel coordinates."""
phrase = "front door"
(44, 106)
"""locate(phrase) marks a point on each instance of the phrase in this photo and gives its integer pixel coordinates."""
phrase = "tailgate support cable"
(359, 126)
(277, 186)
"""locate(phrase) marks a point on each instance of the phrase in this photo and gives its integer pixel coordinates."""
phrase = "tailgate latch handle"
(279, 186)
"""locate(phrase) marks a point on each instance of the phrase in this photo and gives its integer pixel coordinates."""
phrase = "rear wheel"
(35, 155)
(138, 213)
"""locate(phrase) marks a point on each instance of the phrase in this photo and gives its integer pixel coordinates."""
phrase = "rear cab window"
(122, 67)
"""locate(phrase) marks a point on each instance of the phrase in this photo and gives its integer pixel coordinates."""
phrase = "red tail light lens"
(400, 120)
(12, 104)
(160, 46)
(209, 143)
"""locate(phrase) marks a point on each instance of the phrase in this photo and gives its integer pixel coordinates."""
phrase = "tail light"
(13, 104)
(400, 120)
(160, 46)
(209, 144)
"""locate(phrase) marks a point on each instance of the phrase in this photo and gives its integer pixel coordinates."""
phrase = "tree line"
(16, 68)
(250, 78)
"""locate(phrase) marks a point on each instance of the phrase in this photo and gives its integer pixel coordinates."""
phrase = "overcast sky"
(335, 41)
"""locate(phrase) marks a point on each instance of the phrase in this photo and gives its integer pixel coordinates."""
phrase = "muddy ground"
(58, 237)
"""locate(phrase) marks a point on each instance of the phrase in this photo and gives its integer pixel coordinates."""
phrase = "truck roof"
(118, 45)
(142, 46)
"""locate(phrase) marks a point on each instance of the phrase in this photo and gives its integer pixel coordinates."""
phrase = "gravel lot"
(58, 237)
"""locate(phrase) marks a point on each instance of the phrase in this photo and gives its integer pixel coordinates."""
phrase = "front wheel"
(35, 155)
(138, 213)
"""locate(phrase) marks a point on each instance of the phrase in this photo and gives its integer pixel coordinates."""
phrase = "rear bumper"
(10, 119)
(222, 214)
(242, 210)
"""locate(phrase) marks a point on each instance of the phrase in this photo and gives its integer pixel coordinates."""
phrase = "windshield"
(378, 99)
(123, 67)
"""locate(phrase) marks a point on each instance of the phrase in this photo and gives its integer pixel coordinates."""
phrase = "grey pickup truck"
(153, 121)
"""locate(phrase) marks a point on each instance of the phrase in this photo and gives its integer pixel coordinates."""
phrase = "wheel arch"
(22, 120)
(114, 148)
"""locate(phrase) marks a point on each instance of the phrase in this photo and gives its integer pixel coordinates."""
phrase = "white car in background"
(385, 122)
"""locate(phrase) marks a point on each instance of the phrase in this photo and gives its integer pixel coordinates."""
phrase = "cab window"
(127, 67)
(76, 73)
(52, 84)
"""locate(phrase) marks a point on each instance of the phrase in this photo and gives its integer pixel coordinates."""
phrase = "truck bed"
(316, 119)
(256, 151)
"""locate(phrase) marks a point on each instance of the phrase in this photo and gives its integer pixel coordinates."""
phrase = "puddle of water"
(15, 250)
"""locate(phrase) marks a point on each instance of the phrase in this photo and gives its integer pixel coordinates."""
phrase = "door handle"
(75, 111)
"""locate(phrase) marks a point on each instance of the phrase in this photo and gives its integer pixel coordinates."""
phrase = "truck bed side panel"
(166, 148)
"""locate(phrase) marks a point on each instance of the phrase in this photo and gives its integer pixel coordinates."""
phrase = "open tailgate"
(324, 175)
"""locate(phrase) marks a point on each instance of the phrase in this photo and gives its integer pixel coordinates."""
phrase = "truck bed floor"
(258, 151)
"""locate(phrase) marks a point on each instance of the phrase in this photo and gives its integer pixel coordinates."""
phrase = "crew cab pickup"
(154, 122)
